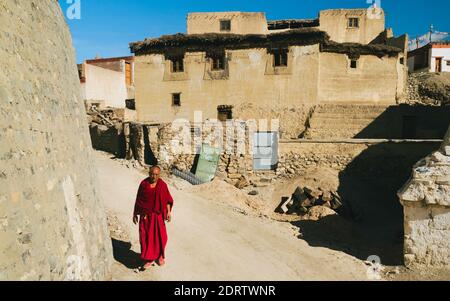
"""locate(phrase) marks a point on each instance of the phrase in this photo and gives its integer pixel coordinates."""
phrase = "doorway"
(438, 66)
(265, 150)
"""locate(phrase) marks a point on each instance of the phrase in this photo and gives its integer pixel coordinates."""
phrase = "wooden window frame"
(177, 64)
(218, 63)
(351, 22)
(280, 57)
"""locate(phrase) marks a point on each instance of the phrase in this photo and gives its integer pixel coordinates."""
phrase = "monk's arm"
(169, 201)
(169, 211)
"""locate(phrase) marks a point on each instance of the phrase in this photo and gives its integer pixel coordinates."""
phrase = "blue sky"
(107, 27)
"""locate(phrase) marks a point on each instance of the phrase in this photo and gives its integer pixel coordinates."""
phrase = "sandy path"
(210, 241)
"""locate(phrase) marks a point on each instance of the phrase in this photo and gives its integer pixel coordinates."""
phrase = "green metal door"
(207, 163)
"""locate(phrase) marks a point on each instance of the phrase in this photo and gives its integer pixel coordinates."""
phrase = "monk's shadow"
(122, 253)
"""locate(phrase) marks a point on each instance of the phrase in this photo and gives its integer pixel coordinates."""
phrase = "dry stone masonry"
(426, 202)
(52, 224)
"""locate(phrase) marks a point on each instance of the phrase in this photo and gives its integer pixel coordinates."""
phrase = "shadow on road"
(122, 253)
(336, 233)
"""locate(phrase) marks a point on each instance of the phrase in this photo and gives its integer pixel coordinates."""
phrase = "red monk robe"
(151, 206)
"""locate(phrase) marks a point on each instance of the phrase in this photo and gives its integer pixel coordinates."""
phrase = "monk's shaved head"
(155, 167)
(154, 173)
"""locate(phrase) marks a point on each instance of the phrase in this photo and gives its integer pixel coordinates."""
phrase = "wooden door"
(438, 64)
(128, 74)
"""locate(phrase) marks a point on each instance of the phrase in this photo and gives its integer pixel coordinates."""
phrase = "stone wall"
(52, 224)
(365, 158)
(361, 158)
(108, 139)
(426, 203)
(106, 129)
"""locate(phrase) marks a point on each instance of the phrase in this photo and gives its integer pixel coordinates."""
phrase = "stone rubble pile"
(292, 164)
(305, 198)
(427, 88)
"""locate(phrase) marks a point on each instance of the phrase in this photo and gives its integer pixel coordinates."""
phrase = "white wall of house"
(440, 52)
(104, 84)
(433, 53)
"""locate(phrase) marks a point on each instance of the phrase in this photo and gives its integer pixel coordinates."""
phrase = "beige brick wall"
(373, 81)
(311, 77)
(241, 23)
(335, 23)
(250, 79)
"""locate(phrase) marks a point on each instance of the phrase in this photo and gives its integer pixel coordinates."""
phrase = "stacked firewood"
(106, 117)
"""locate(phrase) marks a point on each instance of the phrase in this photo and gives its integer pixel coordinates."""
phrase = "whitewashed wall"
(440, 52)
(104, 84)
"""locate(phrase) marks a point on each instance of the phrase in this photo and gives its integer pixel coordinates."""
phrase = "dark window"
(225, 112)
(176, 99)
(353, 22)
(218, 62)
(353, 64)
(280, 57)
(448, 63)
(402, 61)
(225, 25)
(130, 104)
(177, 64)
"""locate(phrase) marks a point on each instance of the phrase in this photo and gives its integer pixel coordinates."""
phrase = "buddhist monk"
(152, 209)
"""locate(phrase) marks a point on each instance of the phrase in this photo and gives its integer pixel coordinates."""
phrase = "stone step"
(352, 115)
(349, 109)
(331, 134)
(342, 120)
(339, 123)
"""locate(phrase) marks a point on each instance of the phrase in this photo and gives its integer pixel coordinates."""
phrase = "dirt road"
(214, 241)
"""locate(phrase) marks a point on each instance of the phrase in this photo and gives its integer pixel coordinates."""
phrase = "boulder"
(336, 202)
(285, 205)
(312, 192)
(307, 203)
(319, 212)
(327, 196)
